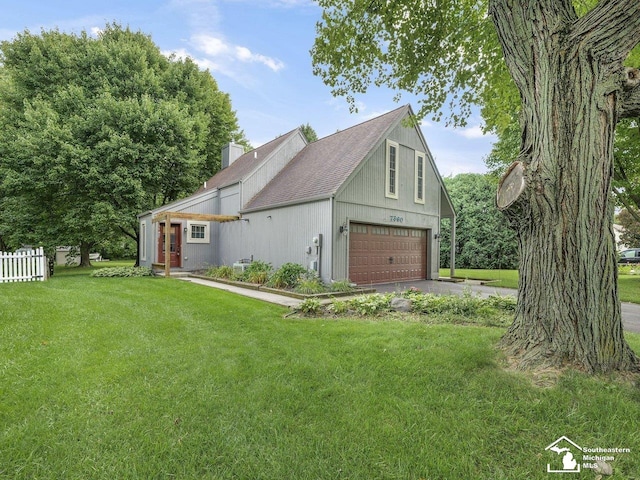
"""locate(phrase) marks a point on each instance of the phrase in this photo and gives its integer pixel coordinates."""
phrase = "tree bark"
(85, 250)
(574, 89)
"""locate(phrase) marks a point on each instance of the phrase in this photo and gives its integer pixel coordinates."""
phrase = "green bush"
(287, 276)
(310, 286)
(502, 302)
(343, 286)
(123, 272)
(223, 271)
(310, 306)
(339, 307)
(257, 272)
(464, 305)
(371, 304)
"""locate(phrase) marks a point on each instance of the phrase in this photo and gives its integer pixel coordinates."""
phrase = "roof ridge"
(376, 118)
(276, 138)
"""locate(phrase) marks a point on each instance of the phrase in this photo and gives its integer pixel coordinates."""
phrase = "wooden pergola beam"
(167, 245)
(166, 217)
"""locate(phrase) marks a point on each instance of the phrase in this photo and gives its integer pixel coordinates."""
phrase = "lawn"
(628, 279)
(143, 378)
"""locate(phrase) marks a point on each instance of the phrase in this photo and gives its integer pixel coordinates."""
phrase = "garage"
(381, 254)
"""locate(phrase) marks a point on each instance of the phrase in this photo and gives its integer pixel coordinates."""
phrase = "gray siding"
(346, 213)
(229, 200)
(362, 198)
(279, 236)
(194, 255)
(368, 184)
(269, 169)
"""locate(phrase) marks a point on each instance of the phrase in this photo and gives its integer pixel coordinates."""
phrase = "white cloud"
(210, 45)
(224, 52)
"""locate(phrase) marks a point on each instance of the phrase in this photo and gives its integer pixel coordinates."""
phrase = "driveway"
(630, 311)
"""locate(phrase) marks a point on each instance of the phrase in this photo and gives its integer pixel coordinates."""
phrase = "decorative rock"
(399, 304)
(603, 468)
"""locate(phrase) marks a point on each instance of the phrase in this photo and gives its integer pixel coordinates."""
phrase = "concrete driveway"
(630, 311)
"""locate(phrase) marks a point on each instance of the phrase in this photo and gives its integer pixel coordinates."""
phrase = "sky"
(258, 53)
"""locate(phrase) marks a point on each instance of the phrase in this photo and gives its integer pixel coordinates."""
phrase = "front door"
(174, 248)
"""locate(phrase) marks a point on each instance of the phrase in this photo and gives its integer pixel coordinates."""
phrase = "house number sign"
(396, 219)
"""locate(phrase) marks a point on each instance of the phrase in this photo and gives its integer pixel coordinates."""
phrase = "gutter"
(289, 203)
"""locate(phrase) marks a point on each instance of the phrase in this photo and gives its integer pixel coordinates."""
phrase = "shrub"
(310, 285)
(370, 304)
(502, 302)
(287, 275)
(465, 304)
(257, 272)
(224, 271)
(342, 286)
(310, 306)
(123, 272)
(339, 307)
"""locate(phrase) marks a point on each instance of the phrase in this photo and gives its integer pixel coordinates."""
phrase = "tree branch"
(632, 211)
(610, 30)
(630, 95)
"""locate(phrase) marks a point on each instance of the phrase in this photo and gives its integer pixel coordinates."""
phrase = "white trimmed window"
(391, 176)
(197, 232)
(143, 241)
(419, 178)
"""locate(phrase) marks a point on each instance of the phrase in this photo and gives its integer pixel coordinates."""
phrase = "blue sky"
(258, 52)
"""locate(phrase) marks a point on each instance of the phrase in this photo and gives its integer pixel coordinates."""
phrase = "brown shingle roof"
(323, 166)
(245, 164)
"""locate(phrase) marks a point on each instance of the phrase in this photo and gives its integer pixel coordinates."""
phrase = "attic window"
(391, 176)
(419, 178)
(197, 232)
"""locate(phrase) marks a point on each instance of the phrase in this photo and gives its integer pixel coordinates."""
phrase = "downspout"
(452, 261)
(331, 232)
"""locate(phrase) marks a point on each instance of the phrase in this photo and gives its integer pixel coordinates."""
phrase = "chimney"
(230, 153)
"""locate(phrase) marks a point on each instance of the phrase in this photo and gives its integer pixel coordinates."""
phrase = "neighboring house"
(364, 203)
(618, 230)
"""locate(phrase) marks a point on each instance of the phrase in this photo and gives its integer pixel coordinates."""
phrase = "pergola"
(166, 217)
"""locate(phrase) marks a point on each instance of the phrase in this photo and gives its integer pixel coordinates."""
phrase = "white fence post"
(24, 266)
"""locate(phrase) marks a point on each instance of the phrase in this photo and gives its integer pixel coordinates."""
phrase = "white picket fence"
(23, 266)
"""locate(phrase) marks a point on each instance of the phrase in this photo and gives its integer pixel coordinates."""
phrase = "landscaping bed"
(286, 292)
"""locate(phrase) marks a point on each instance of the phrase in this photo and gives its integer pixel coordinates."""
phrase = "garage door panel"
(383, 254)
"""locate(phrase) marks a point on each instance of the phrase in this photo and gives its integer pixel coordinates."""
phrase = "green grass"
(498, 278)
(145, 378)
(628, 283)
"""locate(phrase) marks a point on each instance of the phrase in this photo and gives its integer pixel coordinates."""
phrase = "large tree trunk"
(85, 250)
(572, 81)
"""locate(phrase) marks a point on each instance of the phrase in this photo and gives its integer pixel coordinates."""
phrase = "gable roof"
(338, 155)
(245, 164)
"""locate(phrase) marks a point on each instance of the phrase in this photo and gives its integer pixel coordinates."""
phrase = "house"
(363, 204)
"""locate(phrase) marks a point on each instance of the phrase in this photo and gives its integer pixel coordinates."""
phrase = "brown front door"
(174, 248)
(380, 254)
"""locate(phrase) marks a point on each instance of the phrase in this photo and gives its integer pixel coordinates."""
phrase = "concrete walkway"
(630, 311)
(257, 294)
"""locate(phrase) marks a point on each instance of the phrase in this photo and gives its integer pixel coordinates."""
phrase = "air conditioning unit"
(240, 267)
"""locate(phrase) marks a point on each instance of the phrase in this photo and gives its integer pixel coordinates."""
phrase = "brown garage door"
(379, 254)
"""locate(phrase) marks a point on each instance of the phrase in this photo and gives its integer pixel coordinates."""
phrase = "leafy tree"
(631, 228)
(309, 133)
(95, 131)
(566, 61)
(483, 238)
